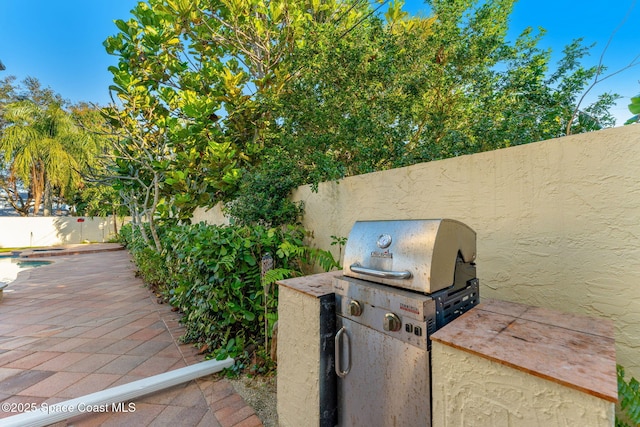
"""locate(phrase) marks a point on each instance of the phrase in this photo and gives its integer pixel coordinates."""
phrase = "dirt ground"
(260, 394)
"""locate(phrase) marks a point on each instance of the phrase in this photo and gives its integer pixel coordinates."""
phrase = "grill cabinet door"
(388, 383)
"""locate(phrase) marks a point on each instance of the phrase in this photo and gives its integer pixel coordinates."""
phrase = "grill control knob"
(355, 308)
(392, 322)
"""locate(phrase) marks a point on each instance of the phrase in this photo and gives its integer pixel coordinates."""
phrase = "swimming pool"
(11, 266)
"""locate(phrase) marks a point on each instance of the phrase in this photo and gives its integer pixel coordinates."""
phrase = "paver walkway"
(86, 323)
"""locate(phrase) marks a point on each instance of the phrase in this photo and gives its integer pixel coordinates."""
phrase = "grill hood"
(417, 255)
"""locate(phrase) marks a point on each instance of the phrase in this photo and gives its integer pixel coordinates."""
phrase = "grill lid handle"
(356, 268)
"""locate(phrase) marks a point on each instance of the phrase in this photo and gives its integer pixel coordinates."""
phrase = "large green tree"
(49, 150)
(41, 149)
(215, 97)
(94, 197)
(189, 88)
(401, 90)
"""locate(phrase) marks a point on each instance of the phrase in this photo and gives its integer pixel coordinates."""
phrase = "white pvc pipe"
(96, 402)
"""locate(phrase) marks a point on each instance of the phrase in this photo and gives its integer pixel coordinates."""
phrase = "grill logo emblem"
(409, 308)
(385, 254)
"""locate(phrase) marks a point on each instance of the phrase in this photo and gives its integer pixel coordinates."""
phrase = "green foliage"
(634, 107)
(186, 70)
(150, 264)
(628, 401)
(339, 241)
(47, 146)
(126, 237)
(240, 101)
(43, 149)
(196, 81)
(263, 196)
(213, 276)
(392, 93)
(98, 200)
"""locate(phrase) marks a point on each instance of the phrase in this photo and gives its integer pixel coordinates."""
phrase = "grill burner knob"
(355, 308)
(392, 322)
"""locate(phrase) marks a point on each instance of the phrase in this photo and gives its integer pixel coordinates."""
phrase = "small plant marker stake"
(267, 265)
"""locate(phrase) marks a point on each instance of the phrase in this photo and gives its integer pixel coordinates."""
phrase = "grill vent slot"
(451, 305)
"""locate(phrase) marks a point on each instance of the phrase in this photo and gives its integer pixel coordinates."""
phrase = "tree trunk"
(37, 186)
(16, 201)
(152, 223)
(137, 223)
(48, 200)
(37, 200)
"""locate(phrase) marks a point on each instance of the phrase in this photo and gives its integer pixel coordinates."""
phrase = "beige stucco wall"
(211, 216)
(558, 222)
(17, 232)
(468, 390)
(298, 359)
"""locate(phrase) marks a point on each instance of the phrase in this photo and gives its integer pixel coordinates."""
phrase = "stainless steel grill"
(417, 255)
(402, 281)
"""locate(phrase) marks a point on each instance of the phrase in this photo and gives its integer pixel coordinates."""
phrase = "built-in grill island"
(402, 281)
(357, 347)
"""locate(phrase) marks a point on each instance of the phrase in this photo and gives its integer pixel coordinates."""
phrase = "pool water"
(10, 267)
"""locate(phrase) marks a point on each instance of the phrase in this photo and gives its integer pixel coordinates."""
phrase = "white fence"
(18, 232)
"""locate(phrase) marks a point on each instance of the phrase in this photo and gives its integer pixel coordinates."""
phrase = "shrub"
(212, 274)
(263, 196)
(628, 401)
(150, 264)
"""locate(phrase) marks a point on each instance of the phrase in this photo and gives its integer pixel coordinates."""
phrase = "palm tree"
(40, 147)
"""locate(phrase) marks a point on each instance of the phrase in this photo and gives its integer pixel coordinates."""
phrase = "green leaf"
(628, 397)
(122, 26)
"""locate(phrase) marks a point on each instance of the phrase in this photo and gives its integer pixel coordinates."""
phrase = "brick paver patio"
(86, 323)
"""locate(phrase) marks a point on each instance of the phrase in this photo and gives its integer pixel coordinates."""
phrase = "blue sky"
(60, 42)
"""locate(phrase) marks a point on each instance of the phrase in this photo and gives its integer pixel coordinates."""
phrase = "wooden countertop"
(572, 350)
